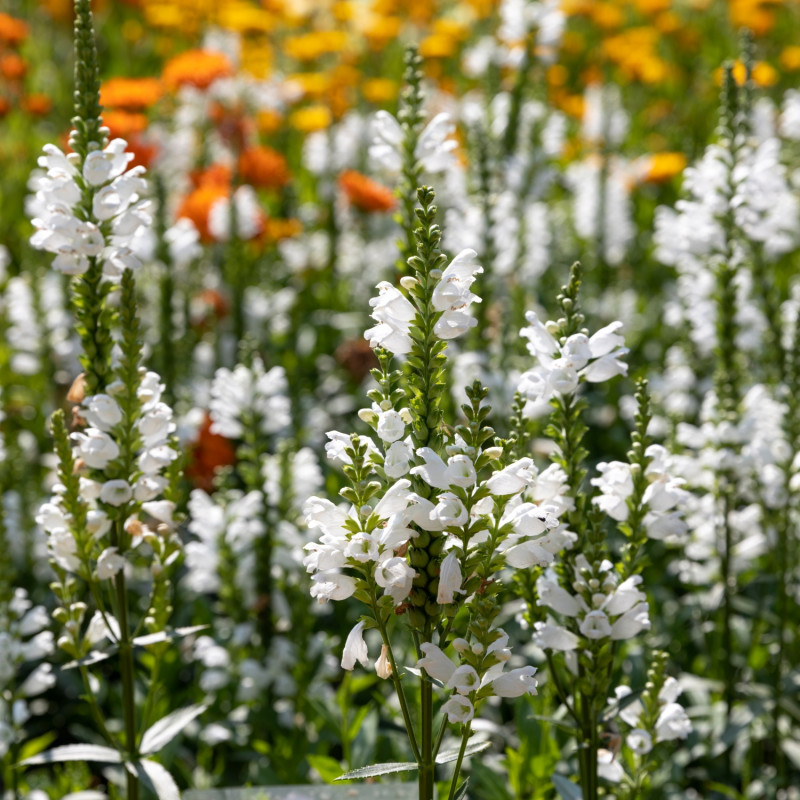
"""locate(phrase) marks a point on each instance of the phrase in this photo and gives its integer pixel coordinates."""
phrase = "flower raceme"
(451, 299)
(89, 209)
(561, 366)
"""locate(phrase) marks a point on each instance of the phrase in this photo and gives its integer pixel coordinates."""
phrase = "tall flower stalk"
(111, 520)
(427, 528)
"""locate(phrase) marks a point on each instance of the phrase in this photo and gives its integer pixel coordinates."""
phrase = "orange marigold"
(197, 205)
(13, 31)
(263, 168)
(131, 94)
(38, 105)
(12, 67)
(198, 68)
(366, 194)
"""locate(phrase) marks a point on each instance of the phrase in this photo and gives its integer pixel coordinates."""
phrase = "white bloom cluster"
(661, 497)
(249, 396)
(434, 150)
(249, 216)
(753, 189)
(226, 526)
(97, 447)
(23, 333)
(23, 639)
(469, 683)
(561, 366)
(602, 607)
(452, 298)
(116, 215)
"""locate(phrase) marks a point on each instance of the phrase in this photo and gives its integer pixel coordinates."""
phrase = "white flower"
(96, 448)
(394, 314)
(396, 462)
(104, 165)
(631, 622)
(434, 148)
(396, 577)
(109, 563)
(436, 663)
(459, 709)
(639, 741)
(450, 579)
(515, 682)
(452, 296)
(101, 412)
(672, 723)
(355, 648)
(449, 511)
(514, 478)
(116, 492)
(554, 637)
(332, 586)
(595, 625)
(464, 679)
(391, 426)
(249, 217)
(553, 596)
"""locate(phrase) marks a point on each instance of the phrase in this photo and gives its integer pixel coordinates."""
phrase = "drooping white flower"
(450, 579)
(394, 313)
(355, 648)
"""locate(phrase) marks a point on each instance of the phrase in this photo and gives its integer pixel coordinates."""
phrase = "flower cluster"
(23, 639)
(601, 607)
(662, 497)
(104, 226)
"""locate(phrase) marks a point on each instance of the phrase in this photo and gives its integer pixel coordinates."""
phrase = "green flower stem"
(467, 731)
(398, 685)
(94, 708)
(427, 781)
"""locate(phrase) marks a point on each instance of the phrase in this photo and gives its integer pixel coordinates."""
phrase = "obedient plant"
(587, 604)
(428, 525)
(727, 238)
(111, 520)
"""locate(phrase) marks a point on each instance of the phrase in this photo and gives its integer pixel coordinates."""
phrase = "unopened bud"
(408, 282)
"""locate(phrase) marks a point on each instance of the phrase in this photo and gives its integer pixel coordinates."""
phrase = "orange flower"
(198, 68)
(277, 229)
(215, 175)
(38, 105)
(5, 106)
(661, 167)
(12, 67)
(13, 31)
(132, 94)
(366, 194)
(263, 168)
(209, 453)
(197, 205)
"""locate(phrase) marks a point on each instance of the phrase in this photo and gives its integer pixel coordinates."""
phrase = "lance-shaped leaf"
(75, 752)
(160, 734)
(567, 790)
(379, 769)
(471, 749)
(461, 794)
(154, 775)
(167, 635)
(95, 657)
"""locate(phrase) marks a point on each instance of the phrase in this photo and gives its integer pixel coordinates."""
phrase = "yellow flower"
(437, 45)
(311, 118)
(379, 90)
(661, 167)
(310, 46)
(790, 58)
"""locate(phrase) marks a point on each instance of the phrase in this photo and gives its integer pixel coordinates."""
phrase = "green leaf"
(75, 752)
(356, 722)
(34, 746)
(461, 793)
(559, 723)
(566, 789)
(161, 733)
(328, 768)
(613, 709)
(156, 776)
(168, 635)
(471, 750)
(379, 769)
(95, 657)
